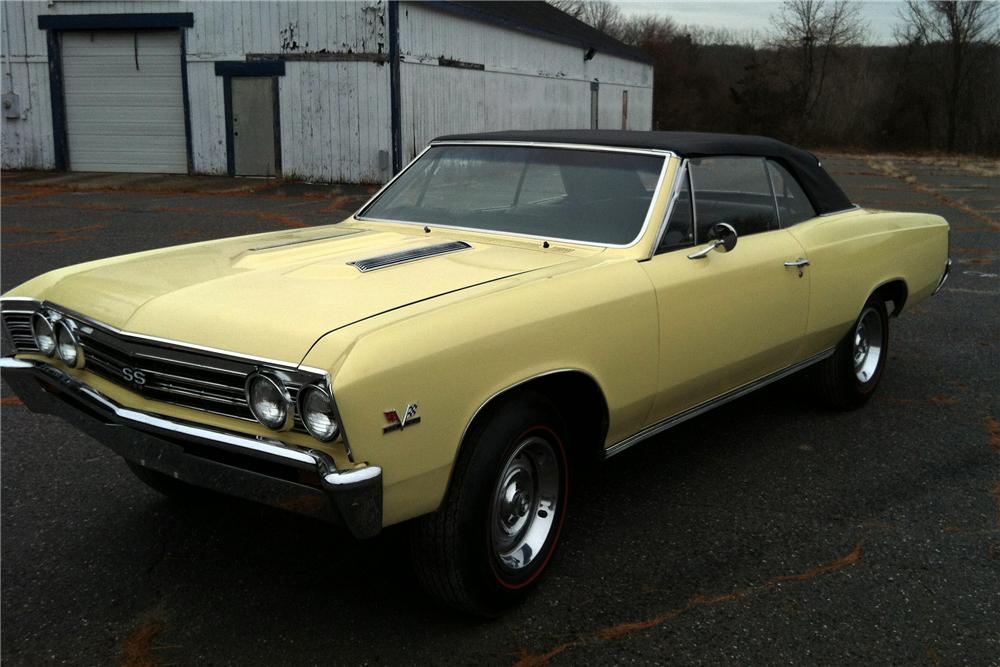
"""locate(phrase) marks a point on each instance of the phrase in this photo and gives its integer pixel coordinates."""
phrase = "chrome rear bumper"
(944, 277)
(298, 479)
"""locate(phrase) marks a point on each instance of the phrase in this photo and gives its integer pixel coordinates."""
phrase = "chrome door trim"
(679, 177)
(697, 410)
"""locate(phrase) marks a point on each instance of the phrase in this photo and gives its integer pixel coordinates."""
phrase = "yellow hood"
(274, 295)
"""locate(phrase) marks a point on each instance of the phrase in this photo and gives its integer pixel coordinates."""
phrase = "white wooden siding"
(527, 82)
(336, 116)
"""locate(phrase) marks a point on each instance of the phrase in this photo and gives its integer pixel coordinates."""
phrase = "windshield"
(553, 193)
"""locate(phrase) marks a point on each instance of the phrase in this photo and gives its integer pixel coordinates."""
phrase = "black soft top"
(822, 190)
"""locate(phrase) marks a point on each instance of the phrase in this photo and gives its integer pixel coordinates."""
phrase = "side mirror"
(725, 233)
(722, 238)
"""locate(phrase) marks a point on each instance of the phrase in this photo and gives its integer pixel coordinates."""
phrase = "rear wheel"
(849, 378)
(499, 524)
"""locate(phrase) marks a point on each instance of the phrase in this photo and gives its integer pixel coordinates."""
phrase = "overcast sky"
(742, 15)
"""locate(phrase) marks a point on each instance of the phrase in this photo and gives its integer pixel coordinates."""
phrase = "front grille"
(18, 326)
(165, 373)
(161, 371)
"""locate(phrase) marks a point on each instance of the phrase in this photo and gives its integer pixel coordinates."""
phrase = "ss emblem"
(132, 375)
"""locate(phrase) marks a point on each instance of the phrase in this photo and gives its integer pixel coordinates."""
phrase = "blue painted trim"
(256, 68)
(115, 21)
(394, 94)
(187, 103)
(59, 138)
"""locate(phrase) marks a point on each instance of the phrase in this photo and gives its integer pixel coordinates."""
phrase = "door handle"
(798, 263)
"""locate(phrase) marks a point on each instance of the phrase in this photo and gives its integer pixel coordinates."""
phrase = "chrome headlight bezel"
(283, 400)
(65, 328)
(38, 321)
(304, 396)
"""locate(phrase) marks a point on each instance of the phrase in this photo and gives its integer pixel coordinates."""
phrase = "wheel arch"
(578, 397)
(894, 291)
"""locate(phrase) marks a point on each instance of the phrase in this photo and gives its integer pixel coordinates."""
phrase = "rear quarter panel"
(852, 254)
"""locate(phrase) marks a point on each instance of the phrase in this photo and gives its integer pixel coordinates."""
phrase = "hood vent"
(382, 261)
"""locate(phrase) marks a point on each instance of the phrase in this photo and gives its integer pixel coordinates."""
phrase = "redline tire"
(496, 531)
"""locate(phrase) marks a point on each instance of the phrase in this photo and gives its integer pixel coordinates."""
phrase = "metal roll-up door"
(124, 99)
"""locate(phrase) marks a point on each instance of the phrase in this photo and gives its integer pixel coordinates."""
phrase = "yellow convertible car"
(510, 304)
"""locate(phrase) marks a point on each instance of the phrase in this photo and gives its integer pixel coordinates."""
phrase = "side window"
(734, 190)
(680, 226)
(793, 205)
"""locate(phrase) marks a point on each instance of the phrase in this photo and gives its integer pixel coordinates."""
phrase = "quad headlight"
(318, 415)
(45, 336)
(67, 345)
(269, 402)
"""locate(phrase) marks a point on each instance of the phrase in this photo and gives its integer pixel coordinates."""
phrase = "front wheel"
(848, 378)
(499, 524)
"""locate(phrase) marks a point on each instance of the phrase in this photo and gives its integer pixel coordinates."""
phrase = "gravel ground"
(768, 531)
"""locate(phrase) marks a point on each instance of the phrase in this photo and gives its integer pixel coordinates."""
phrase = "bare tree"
(966, 29)
(812, 31)
(601, 14)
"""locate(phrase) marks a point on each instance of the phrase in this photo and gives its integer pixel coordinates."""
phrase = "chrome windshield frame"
(657, 190)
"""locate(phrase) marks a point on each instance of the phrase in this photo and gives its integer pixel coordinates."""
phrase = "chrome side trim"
(697, 410)
(642, 232)
(402, 257)
(852, 207)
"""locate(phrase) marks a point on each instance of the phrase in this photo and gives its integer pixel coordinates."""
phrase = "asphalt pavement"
(769, 531)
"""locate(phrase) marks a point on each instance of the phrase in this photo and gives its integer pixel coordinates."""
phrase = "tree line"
(814, 78)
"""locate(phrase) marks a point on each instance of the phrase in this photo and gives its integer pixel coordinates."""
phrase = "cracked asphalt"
(768, 531)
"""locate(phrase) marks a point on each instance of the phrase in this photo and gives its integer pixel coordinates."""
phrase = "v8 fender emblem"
(395, 423)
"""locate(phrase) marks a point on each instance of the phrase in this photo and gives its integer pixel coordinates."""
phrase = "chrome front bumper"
(944, 277)
(298, 479)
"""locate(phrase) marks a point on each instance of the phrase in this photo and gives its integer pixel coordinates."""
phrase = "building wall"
(526, 82)
(335, 110)
(335, 116)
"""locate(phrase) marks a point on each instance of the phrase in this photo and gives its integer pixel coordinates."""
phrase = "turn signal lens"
(316, 410)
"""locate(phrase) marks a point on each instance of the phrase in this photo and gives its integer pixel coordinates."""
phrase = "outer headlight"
(269, 402)
(45, 337)
(67, 346)
(316, 410)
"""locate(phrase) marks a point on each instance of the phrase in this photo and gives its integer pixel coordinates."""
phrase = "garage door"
(124, 101)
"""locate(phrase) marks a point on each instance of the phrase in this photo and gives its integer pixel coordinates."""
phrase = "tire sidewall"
(492, 446)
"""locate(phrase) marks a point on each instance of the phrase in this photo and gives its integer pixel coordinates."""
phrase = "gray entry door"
(254, 127)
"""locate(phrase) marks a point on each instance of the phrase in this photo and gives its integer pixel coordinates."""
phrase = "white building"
(326, 91)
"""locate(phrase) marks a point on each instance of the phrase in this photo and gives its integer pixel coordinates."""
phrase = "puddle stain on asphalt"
(138, 648)
(889, 168)
(624, 629)
(52, 235)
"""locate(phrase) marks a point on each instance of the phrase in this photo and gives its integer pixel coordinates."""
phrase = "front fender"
(452, 355)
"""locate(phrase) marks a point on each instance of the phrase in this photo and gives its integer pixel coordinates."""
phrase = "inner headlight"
(45, 337)
(269, 402)
(67, 346)
(316, 410)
